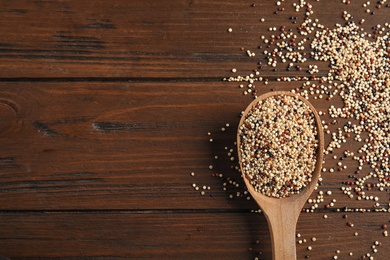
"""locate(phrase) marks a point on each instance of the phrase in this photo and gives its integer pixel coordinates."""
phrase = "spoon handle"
(282, 223)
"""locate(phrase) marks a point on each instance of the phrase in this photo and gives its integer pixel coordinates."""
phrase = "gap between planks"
(124, 79)
(169, 211)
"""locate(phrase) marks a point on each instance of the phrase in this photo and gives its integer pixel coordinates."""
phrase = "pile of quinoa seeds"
(278, 145)
(362, 68)
(358, 75)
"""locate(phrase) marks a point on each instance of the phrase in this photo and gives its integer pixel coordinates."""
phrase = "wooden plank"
(185, 39)
(171, 235)
(120, 143)
(133, 145)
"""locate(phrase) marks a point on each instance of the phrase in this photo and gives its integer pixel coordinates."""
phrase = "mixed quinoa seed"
(278, 145)
(358, 75)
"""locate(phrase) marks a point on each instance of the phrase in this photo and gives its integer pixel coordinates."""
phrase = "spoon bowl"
(282, 213)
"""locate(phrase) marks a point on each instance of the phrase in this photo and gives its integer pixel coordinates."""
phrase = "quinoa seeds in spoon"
(278, 145)
(280, 148)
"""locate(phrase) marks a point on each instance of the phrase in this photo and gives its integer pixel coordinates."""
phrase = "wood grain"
(196, 235)
(105, 110)
(123, 143)
(131, 39)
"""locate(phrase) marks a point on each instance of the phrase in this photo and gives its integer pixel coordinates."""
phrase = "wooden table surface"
(105, 110)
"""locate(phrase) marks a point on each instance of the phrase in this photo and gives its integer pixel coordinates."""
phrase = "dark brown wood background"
(105, 108)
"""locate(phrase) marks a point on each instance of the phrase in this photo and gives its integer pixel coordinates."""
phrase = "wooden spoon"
(282, 213)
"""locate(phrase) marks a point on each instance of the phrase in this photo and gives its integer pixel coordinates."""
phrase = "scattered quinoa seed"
(358, 77)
